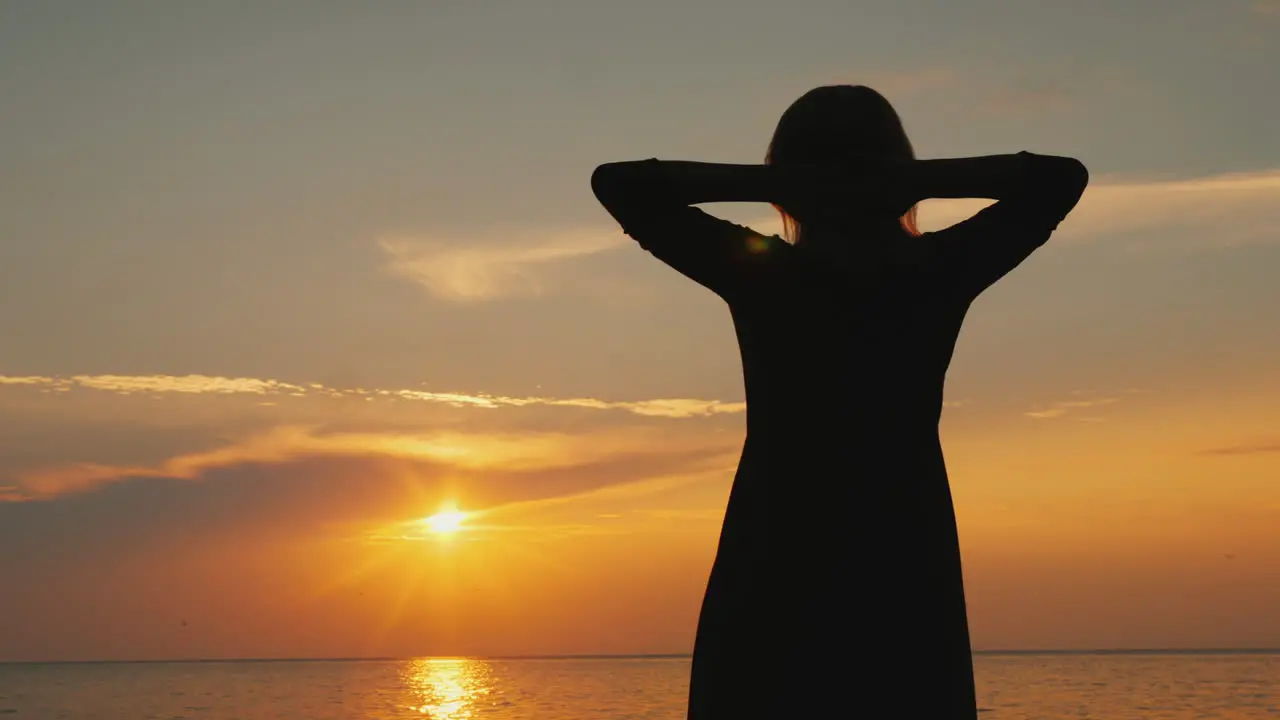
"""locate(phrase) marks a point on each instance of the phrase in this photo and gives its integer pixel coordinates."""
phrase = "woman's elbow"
(1075, 175)
(611, 182)
(1063, 179)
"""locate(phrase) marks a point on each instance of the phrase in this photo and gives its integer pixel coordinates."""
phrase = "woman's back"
(839, 532)
(824, 350)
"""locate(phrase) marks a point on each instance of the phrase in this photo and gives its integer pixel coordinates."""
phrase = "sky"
(280, 280)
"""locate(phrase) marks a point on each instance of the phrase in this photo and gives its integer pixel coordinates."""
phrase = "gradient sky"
(278, 280)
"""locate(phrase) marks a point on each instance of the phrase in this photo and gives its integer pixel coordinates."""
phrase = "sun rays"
(446, 522)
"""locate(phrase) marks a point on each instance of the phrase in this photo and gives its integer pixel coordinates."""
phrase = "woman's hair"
(833, 122)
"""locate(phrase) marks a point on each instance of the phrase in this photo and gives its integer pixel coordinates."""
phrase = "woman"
(838, 569)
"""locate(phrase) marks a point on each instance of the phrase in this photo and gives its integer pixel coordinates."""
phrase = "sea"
(1011, 686)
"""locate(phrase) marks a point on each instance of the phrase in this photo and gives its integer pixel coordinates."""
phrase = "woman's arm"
(652, 200)
(1033, 194)
(1045, 185)
(684, 182)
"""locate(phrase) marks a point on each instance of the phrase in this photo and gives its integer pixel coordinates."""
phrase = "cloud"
(669, 407)
(460, 452)
(1256, 448)
(189, 384)
(1269, 8)
(1216, 211)
(272, 538)
(1213, 211)
(461, 271)
(24, 380)
(1060, 408)
(215, 385)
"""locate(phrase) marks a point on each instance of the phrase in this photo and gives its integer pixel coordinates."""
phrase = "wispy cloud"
(159, 385)
(1214, 211)
(460, 452)
(1062, 407)
(190, 384)
(24, 380)
(1255, 448)
(461, 271)
(213, 385)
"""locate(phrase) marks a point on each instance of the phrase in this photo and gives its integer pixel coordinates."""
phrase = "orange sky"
(1136, 521)
(267, 303)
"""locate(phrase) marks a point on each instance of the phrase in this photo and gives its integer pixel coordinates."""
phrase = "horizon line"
(623, 656)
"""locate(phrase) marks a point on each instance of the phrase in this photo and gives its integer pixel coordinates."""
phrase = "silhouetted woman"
(836, 589)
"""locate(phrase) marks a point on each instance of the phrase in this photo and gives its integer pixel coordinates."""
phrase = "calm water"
(1011, 687)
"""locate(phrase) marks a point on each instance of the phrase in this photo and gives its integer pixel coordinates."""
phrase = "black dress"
(837, 587)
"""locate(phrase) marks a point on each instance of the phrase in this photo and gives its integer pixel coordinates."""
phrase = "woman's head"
(839, 121)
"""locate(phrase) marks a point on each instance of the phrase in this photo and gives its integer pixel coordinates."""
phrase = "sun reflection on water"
(447, 688)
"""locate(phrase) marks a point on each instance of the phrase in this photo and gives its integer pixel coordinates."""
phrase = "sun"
(445, 522)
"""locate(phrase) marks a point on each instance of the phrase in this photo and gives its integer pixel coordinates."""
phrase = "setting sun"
(446, 522)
